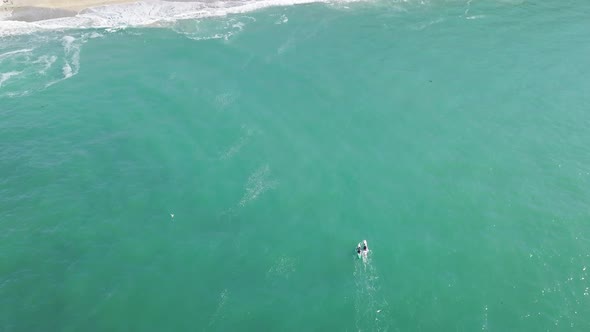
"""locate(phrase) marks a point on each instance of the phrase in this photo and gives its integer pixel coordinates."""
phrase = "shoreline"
(68, 5)
(27, 16)
(40, 10)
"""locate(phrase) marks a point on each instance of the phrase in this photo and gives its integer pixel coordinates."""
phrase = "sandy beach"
(70, 5)
(37, 10)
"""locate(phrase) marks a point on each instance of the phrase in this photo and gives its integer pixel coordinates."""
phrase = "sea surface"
(214, 170)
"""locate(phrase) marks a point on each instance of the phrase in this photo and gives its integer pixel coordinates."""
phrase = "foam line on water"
(220, 306)
(47, 61)
(41, 66)
(72, 59)
(6, 76)
(11, 53)
(239, 144)
(257, 184)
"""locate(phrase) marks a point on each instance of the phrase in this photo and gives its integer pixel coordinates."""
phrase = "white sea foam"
(282, 20)
(146, 13)
(424, 25)
(257, 184)
(371, 308)
(282, 268)
(475, 17)
(17, 94)
(12, 53)
(6, 76)
(285, 46)
(95, 35)
(212, 29)
(47, 61)
(72, 57)
(43, 65)
(220, 306)
(239, 144)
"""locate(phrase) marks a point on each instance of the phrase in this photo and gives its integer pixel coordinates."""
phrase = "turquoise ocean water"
(453, 136)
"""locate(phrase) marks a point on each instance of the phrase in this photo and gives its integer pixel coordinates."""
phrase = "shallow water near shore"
(216, 174)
